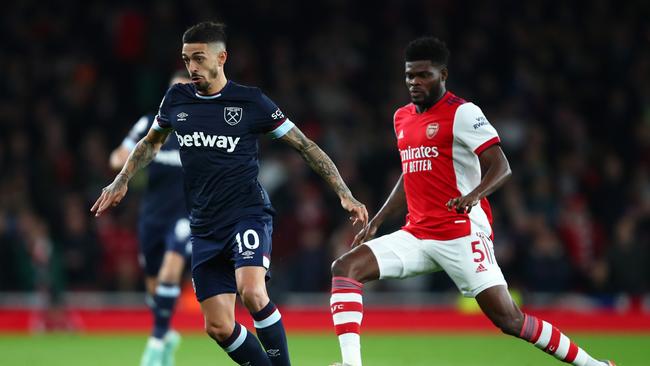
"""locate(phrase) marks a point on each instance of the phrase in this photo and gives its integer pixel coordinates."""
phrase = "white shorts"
(469, 260)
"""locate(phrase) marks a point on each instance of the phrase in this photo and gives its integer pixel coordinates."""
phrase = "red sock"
(347, 311)
(549, 339)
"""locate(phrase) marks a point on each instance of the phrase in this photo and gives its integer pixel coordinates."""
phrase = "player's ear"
(222, 57)
(444, 73)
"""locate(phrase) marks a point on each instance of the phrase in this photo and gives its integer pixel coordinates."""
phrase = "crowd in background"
(566, 85)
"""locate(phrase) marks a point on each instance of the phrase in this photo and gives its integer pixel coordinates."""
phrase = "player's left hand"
(356, 209)
(463, 204)
(366, 233)
(111, 195)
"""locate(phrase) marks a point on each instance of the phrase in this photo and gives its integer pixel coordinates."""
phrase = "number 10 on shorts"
(249, 238)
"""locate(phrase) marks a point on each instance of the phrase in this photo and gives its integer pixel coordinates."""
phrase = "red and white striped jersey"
(439, 150)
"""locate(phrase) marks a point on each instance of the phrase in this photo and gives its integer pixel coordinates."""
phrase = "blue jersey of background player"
(163, 211)
(163, 233)
(165, 178)
(217, 123)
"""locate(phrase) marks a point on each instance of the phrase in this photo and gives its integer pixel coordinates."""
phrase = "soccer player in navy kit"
(163, 235)
(217, 123)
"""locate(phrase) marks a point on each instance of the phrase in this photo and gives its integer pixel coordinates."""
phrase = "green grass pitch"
(308, 349)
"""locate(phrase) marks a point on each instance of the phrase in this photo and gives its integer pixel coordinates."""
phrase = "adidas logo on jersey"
(401, 135)
(199, 139)
(481, 268)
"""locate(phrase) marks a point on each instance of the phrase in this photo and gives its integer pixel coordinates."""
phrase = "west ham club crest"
(232, 115)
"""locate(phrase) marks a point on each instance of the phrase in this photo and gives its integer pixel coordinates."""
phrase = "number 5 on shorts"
(475, 250)
(248, 234)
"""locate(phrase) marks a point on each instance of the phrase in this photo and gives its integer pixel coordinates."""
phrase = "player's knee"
(254, 297)
(169, 277)
(171, 270)
(218, 331)
(338, 268)
(344, 266)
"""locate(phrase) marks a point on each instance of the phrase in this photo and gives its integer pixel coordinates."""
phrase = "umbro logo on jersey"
(232, 115)
(248, 254)
(432, 130)
(481, 268)
(182, 116)
(401, 134)
(273, 352)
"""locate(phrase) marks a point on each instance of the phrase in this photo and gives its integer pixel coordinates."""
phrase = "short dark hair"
(427, 48)
(205, 32)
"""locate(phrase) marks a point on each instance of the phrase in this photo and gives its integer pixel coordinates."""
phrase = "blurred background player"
(451, 161)
(217, 123)
(163, 231)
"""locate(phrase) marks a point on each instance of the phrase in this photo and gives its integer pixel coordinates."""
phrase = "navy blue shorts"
(156, 239)
(216, 256)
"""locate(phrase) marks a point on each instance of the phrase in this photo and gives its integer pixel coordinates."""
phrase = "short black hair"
(427, 48)
(205, 32)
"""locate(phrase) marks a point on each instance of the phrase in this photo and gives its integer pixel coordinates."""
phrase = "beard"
(204, 85)
(427, 100)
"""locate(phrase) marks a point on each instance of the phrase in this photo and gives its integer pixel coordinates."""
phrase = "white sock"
(550, 340)
(350, 349)
(347, 312)
(155, 343)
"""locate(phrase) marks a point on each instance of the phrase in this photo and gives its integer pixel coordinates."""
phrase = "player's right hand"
(368, 232)
(111, 195)
(356, 209)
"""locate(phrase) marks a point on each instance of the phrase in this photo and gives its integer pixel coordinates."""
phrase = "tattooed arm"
(323, 165)
(142, 154)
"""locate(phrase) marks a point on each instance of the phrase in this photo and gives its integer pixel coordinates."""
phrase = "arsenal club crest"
(232, 115)
(432, 130)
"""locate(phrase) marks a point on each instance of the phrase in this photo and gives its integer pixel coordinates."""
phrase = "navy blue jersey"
(163, 201)
(218, 137)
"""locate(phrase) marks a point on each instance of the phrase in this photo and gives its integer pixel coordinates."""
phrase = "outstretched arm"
(496, 171)
(142, 154)
(323, 165)
(396, 202)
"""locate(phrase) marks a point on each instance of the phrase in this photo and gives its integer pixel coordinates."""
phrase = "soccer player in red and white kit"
(444, 143)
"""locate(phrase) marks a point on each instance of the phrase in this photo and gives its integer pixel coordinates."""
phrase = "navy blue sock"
(150, 302)
(244, 348)
(165, 300)
(270, 331)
